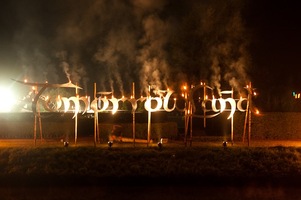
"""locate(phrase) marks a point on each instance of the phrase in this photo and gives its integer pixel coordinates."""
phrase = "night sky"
(162, 43)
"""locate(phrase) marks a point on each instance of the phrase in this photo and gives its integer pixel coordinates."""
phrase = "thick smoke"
(113, 43)
(152, 56)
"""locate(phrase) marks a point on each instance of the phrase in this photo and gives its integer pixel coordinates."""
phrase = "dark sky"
(159, 42)
(275, 51)
(276, 40)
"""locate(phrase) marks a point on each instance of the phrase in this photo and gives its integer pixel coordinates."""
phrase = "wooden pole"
(95, 120)
(97, 128)
(232, 122)
(35, 120)
(149, 118)
(250, 114)
(40, 124)
(75, 124)
(133, 112)
(246, 120)
(250, 123)
(190, 116)
(205, 105)
(186, 117)
(35, 130)
(186, 125)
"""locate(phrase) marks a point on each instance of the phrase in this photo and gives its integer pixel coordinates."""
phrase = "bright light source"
(7, 100)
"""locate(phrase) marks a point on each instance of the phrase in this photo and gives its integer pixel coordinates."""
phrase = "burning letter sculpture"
(204, 107)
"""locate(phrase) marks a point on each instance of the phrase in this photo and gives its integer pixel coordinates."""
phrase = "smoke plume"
(113, 43)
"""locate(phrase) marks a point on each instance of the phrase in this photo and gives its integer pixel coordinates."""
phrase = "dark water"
(152, 192)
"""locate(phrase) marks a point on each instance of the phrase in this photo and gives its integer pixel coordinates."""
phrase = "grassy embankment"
(203, 165)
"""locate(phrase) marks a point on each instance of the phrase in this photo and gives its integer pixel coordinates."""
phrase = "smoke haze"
(161, 43)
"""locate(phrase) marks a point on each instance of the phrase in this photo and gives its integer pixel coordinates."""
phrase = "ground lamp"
(110, 144)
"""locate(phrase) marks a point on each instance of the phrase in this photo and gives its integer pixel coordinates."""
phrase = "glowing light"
(185, 87)
(25, 80)
(115, 105)
(257, 112)
(7, 100)
(110, 144)
(147, 104)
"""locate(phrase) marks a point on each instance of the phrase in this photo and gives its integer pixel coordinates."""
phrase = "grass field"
(206, 170)
(201, 162)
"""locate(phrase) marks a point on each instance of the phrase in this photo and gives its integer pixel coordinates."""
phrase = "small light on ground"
(110, 144)
(66, 144)
(225, 144)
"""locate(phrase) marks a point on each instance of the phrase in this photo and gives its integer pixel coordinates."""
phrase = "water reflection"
(150, 192)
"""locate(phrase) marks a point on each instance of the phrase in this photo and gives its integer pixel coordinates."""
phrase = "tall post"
(246, 120)
(149, 117)
(232, 121)
(133, 112)
(75, 119)
(250, 114)
(190, 117)
(35, 89)
(95, 117)
(186, 117)
(205, 97)
(40, 124)
(35, 130)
